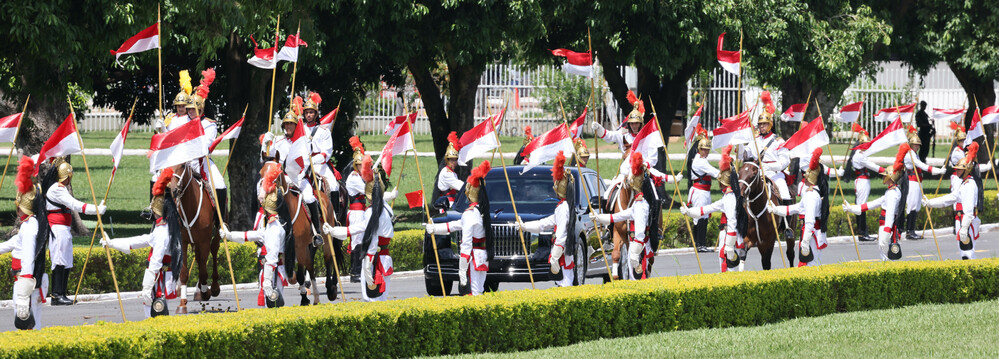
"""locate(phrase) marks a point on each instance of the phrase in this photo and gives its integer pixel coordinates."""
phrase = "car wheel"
(582, 264)
(434, 286)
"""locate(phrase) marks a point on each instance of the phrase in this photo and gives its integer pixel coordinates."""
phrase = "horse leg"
(216, 290)
(182, 280)
(201, 256)
(616, 252)
(331, 278)
(766, 253)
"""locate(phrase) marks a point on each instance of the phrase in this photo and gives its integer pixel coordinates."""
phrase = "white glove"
(318, 159)
(553, 259)
(22, 297)
(635, 252)
(389, 196)
(678, 177)
(339, 232)
(936, 171)
(429, 227)
(601, 219)
(840, 172)
(268, 138)
(327, 229)
(684, 210)
(462, 270)
(771, 207)
(598, 130)
(849, 209)
(532, 226)
(925, 199)
(366, 274)
(148, 281)
(159, 126)
(118, 245)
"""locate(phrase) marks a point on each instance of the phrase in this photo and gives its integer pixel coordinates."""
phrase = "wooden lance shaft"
(13, 145)
(766, 187)
(676, 188)
(76, 294)
(433, 238)
(270, 109)
(100, 224)
(839, 186)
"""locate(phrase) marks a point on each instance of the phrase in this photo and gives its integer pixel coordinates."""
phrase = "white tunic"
(470, 225)
(774, 160)
(22, 245)
(725, 205)
(622, 137)
(557, 221)
(888, 204)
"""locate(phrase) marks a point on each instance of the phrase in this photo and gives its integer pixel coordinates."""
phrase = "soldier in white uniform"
(282, 149)
(699, 175)
(176, 119)
(158, 284)
(637, 216)
(625, 136)
(561, 222)
(322, 144)
(355, 207)
(448, 182)
(60, 206)
(915, 174)
(774, 158)
(967, 201)
(812, 210)
(861, 168)
(892, 208)
(582, 153)
(473, 263)
(731, 248)
(376, 232)
(27, 249)
(271, 236)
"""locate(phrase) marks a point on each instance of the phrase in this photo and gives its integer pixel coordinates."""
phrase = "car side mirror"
(596, 202)
(442, 204)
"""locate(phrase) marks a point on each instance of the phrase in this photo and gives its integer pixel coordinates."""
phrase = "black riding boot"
(788, 232)
(910, 226)
(701, 234)
(862, 226)
(355, 264)
(59, 281)
(222, 195)
(317, 223)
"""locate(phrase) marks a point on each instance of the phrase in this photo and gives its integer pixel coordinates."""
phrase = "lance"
(596, 147)
(13, 145)
(94, 235)
(527, 256)
(270, 109)
(589, 206)
(423, 197)
(756, 147)
(322, 212)
(159, 60)
(989, 148)
(676, 188)
(839, 185)
(100, 224)
(229, 156)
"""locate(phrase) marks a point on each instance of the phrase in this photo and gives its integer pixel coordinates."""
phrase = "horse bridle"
(181, 188)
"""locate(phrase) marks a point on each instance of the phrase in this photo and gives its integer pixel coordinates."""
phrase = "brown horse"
(619, 200)
(199, 230)
(760, 229)
(301, 247)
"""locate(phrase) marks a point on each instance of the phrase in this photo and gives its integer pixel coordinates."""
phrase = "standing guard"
(812, 210)
(639, 224)
(699, 175)
(447, 180)
(271, 236)
(355, 208)
(562, 222)
(158, 283)
(892, 206)
(582, 153)
(476, 232)
(731, 249)
(915, 174)
(956, 155)
(967, 201)
(27, 249)
(861, 168)
(60, 206)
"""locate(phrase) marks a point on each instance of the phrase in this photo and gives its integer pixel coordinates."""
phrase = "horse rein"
(182, 189)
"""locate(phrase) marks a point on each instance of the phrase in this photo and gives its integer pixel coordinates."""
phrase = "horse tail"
(824, 192)
(289, 238)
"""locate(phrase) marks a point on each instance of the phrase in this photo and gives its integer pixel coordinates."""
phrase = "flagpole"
(565, 122)
(739, 81)
(294, 67)
(270, 109)
(322, 212)
(100, 224)
(13, 145)
(596, 146)
(401, 170)
(229, 157)
(804, 114)
(423, 197)
(676, 189)
(989, 148)
(929, 211)
(527, 256)
(94, 235)
(839, 185)
(159, 60)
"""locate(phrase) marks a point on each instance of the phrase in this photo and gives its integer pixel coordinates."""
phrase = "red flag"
(648, 141)
(147, 39)
(733, 131)
(892, 136)
(392, 125)
(575, 125)
(689, 131)
(545, 147)
(794, 113)
(328, 119)
(231, 133)
(118, 146)
(807, 139)
(577, 63)
(177, 146)
(8, 127)
(975, 130)
(415, 198)
(477, 141)
(400, 142)
(849, 113)
(729, 60)
(62, 142)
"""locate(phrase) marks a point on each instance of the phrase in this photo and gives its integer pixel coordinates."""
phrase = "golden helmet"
(959, 133)
(814, 167)
(196, 102)
(703, 143)
(725, 167)
(290, 117)
(313, 102)
(638, 169)
(159, 191)
(185, 90)
(528, 136)
(270, 187)
(894, 173)
(559, 176)
(474, 183)
(969, 159)
(295, 112)
(581, 150)
(64, 169)
(26, 188)
(765, 117)
(864, 138)
(270, 202)
(637, 114)
(358, 155)
(181, 99)
(913, 137)
(452, 146)
(369, 176)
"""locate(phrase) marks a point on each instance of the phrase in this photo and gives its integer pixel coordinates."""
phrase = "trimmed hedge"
(524, 319)
(129, 268)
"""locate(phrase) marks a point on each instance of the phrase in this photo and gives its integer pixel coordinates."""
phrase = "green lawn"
(944, 330)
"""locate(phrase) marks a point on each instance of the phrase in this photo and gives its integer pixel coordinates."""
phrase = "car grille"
(506, 240)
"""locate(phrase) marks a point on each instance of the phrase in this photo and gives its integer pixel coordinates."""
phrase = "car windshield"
(534, 194)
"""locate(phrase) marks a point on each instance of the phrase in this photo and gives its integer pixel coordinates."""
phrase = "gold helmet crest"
(637, 114)
(638, 169)
(312, 103)
(358, 155)
(581, 151)
(159, 191)
(559, 176)
(185, 90)
(269, 185)
(26, 188)
(453, 146)
(814, 167)
(969, 159)
(725, 167)
(474, 184)
(65, 169)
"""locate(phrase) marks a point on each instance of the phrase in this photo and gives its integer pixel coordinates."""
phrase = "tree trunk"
(980, 91)
(668, 93)
(433, 104)
(612, 74)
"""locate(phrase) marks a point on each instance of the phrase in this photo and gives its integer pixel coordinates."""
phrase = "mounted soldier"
(638, 217)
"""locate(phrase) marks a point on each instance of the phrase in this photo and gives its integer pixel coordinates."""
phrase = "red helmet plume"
(478, 173)
(858, 128)
(768, 102)
(558, 167)
(972, 151)
(315, 98)
(726, 161)
(366, 172)
(903, 150)
(356, 144)
(207, 78)
(161, 183)
(297, 105)
(527, 132)
(25, 168)
(637, 164)
(816, 156)
(453, 139)
(632, 98)
(270, 177)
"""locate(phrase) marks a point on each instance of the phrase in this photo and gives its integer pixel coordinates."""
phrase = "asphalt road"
(411, 284)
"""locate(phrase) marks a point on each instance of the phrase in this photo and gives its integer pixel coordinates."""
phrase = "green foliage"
(527, 319)
(572, 90)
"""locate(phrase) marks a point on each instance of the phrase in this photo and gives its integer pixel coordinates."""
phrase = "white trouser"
(213, 171)
(779, 180)
(698, 198)
(381, 298)
(914, 201)
(477, 281)
(37, 297)
(955, 185)
(884, 240)
(567, 276)
(308, 196)
(324, 173)
(862, 188)
(61, 246)
(610, 187)
(816, 243)
(973, 232)
(728, 244)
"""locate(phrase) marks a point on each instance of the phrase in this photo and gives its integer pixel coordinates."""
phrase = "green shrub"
(406, 250)
(522, 319)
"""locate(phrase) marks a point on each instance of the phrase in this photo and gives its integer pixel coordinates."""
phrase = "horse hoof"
(216, 290)
(181, 309)
(197, 296)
